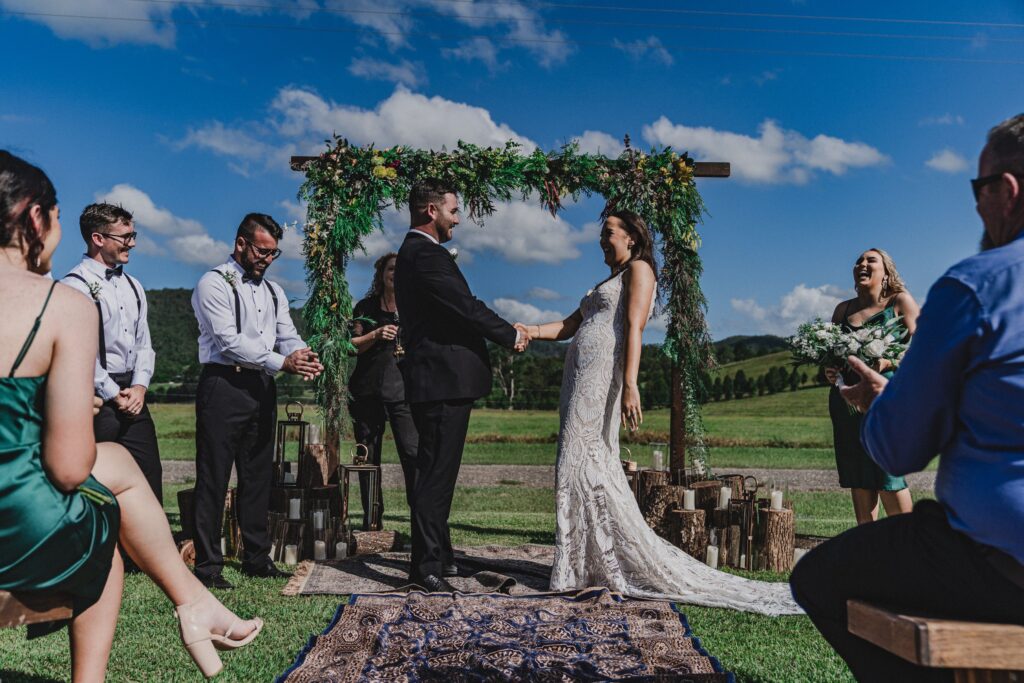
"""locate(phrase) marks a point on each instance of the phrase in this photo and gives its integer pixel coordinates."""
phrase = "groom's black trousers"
(442, 427)
(914, 562)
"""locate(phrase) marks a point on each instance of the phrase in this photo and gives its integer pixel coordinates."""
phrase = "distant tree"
(794, 380)
(716, 389)
(727, 387)
(725, 354)
(742, 351)
(761, 385)
(741, 387)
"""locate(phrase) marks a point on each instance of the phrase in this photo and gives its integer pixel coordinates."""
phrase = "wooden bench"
(19, 609)
(977, 652)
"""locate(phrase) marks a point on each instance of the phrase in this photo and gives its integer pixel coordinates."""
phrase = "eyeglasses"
(978, 183)
(262, 252)
(123, 239)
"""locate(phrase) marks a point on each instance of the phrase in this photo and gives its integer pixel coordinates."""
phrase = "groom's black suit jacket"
(443, 326)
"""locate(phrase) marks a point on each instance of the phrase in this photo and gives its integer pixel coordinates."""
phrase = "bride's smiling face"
(616, 243)
(869, 270)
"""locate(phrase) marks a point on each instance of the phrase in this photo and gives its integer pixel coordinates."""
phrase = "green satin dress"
(856, 468)
(48, 539)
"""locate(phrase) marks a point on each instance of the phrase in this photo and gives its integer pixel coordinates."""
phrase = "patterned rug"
(593, 635)
(521, 570)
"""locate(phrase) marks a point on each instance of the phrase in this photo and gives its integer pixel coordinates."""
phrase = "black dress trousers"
(369, 417)
(136, 433)
(235, 417)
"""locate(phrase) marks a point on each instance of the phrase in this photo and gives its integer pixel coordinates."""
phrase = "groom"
(446, 368)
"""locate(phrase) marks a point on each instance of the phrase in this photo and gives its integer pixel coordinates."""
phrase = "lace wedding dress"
(601, 538)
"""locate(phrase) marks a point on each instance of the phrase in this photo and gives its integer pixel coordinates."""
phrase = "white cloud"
(407, 73)
(596, 142)
(524, 233)
(651, 46)
(478, 49)
(225, 141)
(201, 250)
(543, 293)
(775, 156)
(946, 119)
(147, 214)
(517, 311)
(947, 161)
(767, 76)
(799, 305)
(148, 246)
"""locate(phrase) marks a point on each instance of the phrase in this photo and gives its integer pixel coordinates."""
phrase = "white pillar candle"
(291, 554)
(341, 550)
(318, 519)
(712, 557)
(689, 501)
(319, 550)
(743, 561)
(658, 459)
(776, 500)
(273, 550)
(294, 508)
(724, 495)
(223, 546)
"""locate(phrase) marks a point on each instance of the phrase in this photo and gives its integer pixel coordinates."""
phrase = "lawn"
(756, 648)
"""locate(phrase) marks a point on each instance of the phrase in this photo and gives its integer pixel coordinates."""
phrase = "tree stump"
(689, 533)
(648, 480)
(705, 494)
(779, 537)
(660, 501)
(373, 542)
(319, 466)
(735, 542)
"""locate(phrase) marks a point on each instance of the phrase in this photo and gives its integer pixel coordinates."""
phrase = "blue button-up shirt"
(959, 393)
(267, 335)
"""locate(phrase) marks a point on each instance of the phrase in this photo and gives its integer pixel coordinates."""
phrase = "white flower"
(94, 290)
(455, 253)
(229, 277)
(852, 347)
(862, 335)
(874, 349)
(822, 334)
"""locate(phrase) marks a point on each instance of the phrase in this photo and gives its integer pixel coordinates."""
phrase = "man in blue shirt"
(959, 393)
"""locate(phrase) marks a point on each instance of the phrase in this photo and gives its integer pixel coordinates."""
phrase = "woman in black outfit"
(376, 387)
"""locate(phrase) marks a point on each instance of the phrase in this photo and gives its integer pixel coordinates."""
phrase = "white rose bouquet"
(828, 345)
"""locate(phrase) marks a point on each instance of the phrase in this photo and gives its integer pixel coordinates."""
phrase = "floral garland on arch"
(347, 189)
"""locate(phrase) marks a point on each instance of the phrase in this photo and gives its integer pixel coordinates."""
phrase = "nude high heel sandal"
(198, 641)
(225, 642)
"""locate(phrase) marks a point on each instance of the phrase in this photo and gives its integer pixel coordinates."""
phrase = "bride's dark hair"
(643, 243)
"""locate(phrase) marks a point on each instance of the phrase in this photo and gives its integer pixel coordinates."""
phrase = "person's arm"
(363, 340)
(639, 282)
(69, 448)
(440, 280)
(145, 356)
(214, 304)
(559, 330)
(916, 414)
(288, 339)
(905, 306)
(832, 373)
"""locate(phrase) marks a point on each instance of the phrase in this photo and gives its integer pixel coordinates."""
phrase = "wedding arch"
(347, 189)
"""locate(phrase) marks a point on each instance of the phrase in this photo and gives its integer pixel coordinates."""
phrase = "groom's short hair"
(423, 192)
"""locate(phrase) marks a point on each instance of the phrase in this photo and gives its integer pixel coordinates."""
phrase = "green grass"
(146, 648)
(754, 367)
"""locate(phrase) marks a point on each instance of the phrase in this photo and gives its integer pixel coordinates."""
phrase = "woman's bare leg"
(92, 631)
(897, 502)
(865, 505)
(146, 536)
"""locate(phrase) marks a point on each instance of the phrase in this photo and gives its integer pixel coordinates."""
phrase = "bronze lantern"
(289, 460)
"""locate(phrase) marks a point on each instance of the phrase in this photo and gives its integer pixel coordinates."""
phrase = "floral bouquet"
(828, 345)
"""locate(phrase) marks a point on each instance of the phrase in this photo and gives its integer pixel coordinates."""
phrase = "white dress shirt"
(265, 338)
(125, 325)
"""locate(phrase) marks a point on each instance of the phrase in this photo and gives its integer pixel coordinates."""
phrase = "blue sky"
(848, 126)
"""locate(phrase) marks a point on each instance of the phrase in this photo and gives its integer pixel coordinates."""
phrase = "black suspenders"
(99, 309)
(238, 302)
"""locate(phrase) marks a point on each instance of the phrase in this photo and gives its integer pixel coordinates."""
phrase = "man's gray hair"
(1006, 145)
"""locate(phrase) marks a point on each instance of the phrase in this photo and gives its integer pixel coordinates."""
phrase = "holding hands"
(524, 337)
(303, 362)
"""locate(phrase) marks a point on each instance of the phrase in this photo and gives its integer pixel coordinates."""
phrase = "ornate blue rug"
(593, 635)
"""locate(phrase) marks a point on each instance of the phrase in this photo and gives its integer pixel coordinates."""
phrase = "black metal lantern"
(291, 446)
(369, 476)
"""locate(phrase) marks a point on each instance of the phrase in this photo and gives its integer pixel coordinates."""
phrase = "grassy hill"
(753, 367)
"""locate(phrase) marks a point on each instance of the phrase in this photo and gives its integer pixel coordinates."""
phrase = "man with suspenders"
(126, 359)
(246, 336)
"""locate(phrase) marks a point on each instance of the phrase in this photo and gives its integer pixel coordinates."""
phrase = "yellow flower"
(380, 172)
(390, 173)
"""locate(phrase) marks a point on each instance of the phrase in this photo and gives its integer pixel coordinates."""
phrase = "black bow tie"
(255, 279)
(114, 272)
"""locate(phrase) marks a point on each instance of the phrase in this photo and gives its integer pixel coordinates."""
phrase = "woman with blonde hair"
(66, 501)
(881, 296)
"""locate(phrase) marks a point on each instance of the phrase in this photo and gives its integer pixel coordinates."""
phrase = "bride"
(601, 538)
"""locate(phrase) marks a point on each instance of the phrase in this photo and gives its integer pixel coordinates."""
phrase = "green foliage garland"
(348, 188)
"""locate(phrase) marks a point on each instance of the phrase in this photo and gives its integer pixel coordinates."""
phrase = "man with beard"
(960, 394)
(246, 336)
(126, 359)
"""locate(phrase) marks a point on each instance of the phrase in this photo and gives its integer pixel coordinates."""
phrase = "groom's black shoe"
(448, 570)
(433, 583)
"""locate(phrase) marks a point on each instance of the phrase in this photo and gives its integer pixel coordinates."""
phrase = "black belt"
(123, 379)
(232, 369)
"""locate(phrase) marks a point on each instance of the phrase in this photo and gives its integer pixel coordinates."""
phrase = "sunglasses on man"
(978, 183)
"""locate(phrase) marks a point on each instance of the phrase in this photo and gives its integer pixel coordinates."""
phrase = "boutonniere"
(94, 290)
(229, 277)
(455, 253)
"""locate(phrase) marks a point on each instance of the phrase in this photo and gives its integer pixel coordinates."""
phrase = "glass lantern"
(290, 447)
(659, 455)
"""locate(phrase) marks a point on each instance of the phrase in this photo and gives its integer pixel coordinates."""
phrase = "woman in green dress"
(881, 296)
(66, 501)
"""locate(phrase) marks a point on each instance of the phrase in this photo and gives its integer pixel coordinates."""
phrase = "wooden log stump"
(648, 480)
(320, 466)
(373, 542)
(690, 535)
(705, 494)
(660, 501)
(735, 541)
(779, 537)
(33, 607)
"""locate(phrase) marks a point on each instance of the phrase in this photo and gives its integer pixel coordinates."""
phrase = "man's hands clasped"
(304, 363)
(131, 400)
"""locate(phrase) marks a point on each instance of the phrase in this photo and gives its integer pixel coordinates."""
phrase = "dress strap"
(32, 334)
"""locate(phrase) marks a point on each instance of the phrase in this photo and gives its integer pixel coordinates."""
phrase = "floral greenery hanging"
(347, 189)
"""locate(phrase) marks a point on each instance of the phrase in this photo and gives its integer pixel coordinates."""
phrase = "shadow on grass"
(8, 676)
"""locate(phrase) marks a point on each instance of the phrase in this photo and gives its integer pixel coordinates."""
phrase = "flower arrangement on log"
(347, 189)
